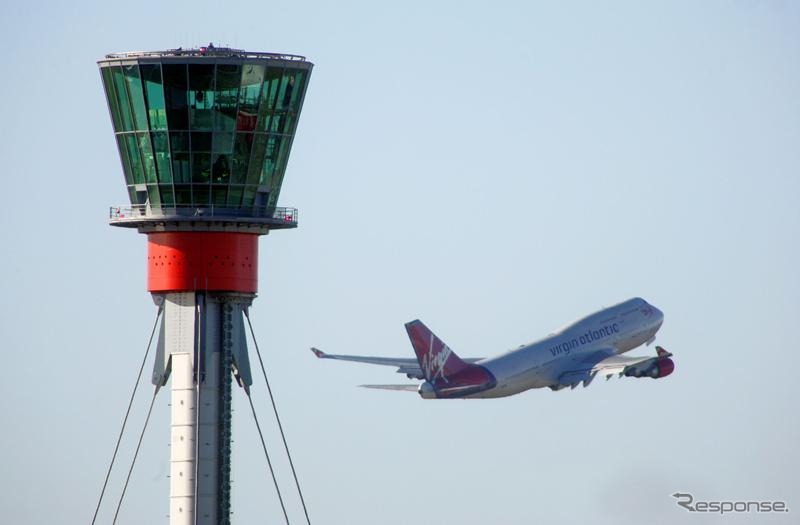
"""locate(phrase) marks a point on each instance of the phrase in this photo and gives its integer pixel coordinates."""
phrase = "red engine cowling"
(664, 367)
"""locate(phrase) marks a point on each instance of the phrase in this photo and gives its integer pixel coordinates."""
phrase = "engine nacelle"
(426, 391)
(664, 367)
(655, 368)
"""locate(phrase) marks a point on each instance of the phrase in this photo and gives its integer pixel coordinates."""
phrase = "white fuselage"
(617, 329)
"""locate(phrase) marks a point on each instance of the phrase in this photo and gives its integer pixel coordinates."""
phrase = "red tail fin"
(435, 358)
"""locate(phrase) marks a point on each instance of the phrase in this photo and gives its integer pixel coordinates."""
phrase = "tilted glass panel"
(132, 194)
(219, 194)
(183, 194)
(154, 95)
(111, 96)
(285, 90)
(272, 83)
(153, 195)
(249, 197)
(167, 196)
(122, 98)
(270, 162)
(249, 96)
(296, 96)
(122, 145)
(221, 169)
(179, 153)
(278, 122)
(280, 169)
(136, 96)
(176, 96)
(300, 77)
(241, 157)
(201, 141)
(201, 168)
(134, 157)
(269, 93)
(261, 200)
(201, 97)
(201, 194)
(201, 160)
(265, 118)
(235, 195)
(227, 96)
(222, 142)
(148, 159)
(256, 158)
(161, 150)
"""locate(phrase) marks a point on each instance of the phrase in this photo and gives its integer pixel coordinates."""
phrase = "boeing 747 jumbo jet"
(573, 355)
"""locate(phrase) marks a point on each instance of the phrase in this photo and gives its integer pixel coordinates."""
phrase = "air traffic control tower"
(204, 137)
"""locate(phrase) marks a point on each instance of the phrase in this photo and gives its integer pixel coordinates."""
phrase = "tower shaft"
(202, 344)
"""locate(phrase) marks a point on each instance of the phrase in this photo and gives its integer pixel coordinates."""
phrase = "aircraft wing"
(616, 364)
(409, 366)
(606, 363)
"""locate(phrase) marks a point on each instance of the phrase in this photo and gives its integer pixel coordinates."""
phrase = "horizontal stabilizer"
(408, 388)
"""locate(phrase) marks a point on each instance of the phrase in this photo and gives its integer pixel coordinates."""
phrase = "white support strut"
(179, 345)
(201, 343)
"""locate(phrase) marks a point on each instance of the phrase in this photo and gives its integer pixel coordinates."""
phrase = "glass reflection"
(154, 96)
(202, 134)
(176, 97)
(201, 96)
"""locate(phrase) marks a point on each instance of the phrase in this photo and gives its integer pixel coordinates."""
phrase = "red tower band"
(198, 261)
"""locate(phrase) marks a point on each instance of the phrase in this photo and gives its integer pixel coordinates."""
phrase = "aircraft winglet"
(319, 353)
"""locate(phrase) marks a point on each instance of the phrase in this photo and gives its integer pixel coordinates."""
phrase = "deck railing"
(139, 212)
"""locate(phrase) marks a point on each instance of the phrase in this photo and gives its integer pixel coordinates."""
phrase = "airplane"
(573, 355)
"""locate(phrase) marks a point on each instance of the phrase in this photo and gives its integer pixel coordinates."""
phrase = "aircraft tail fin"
(435, 358)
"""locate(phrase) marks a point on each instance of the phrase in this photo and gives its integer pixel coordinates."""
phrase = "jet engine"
(655, 368)
(426, 391)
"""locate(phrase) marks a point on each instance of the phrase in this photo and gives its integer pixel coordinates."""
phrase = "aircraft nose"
(658, 315)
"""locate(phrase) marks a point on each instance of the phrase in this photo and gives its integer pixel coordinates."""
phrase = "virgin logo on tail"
(433, 362)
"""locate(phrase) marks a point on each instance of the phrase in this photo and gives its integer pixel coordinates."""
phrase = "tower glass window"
(204, 129)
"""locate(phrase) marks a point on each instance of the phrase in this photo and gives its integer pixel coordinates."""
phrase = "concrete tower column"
(201, 348)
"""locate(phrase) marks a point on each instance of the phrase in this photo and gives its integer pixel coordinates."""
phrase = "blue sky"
(493, 169)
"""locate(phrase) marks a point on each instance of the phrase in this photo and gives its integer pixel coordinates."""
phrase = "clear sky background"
(496, 169)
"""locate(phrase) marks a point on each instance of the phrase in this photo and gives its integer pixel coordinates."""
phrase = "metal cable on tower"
(135, 455)
(127, 413)
(269, 463)
(277, 418)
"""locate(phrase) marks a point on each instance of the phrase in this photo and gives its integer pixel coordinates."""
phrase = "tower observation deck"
(204, 137)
